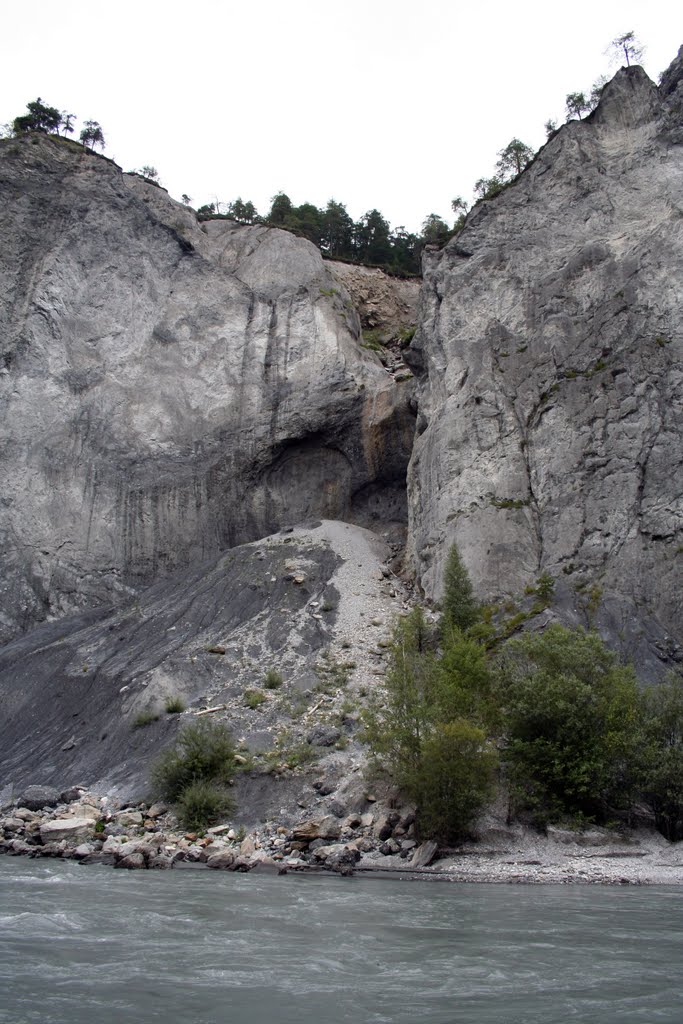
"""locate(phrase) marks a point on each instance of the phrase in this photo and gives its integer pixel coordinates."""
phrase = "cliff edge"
(551, 400)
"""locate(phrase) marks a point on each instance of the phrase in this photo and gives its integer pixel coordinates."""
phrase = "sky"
(389, 104)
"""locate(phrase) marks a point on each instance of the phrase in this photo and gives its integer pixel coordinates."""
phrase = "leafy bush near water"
(195, 773)
(203, 803)
(577, 741)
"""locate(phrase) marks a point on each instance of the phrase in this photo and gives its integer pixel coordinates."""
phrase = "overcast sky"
(376, 103)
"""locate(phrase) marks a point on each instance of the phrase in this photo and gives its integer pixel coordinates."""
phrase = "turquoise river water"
(90, 944)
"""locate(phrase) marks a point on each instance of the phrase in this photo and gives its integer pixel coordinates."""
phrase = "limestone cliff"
(551, 400)
(171, 390)
(167, 388)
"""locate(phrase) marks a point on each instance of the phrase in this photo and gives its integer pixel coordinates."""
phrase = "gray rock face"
(105, 677)
(551, 402)
(167, 388)
(91, 675)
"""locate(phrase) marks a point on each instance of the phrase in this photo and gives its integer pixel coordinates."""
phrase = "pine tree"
(460, 609)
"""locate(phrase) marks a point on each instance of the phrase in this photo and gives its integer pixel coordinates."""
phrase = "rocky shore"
(93, 829)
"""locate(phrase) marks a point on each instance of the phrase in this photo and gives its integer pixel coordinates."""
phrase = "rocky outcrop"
(551, 398)
(168, 389)
(385, 304)
(93, 698)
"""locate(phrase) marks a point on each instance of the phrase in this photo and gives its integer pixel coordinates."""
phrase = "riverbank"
(93, 829)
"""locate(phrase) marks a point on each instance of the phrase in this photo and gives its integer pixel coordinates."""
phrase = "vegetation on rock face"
(174, 705)
(626, 47)
(92, 135)
(195, 773)
(145, 718)
(40, 117)
(577, 741)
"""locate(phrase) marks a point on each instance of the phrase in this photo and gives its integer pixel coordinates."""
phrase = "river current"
(90, 944)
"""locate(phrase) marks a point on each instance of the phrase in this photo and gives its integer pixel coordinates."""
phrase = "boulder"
(25, 814)
(73, 830)
(132, 861)
(69, 795)
(37, 797)
(424, 854)
(317, 828)
(160, 861)
(268, 866)
(13, 824)
(337, 855)
(336, 808)
(323, 735)
(324, 786)
(156, 810)
(83, 850)
(385, 825)
(85, 809)
(221, 860)
(128, 818)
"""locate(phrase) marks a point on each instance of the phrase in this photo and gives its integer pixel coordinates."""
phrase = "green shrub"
(372, 340)
(545, 587)
(254, 698)
(455, 781)
(174, 705)
(202, 804)
(204, 752)
(272, 680)
(145, 718)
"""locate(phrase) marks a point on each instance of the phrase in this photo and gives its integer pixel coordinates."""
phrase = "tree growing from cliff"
(67, 123)
(39, 118)
(626, 48)
(149, 172)
(435, 230)
(92, 135)
(513, 159)
(577, 105)
(596, 91)
(487, 188)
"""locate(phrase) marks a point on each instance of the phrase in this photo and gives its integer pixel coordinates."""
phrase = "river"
(90, 945)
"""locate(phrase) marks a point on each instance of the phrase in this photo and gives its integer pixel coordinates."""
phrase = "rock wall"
(168, 388)
(551, 396)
